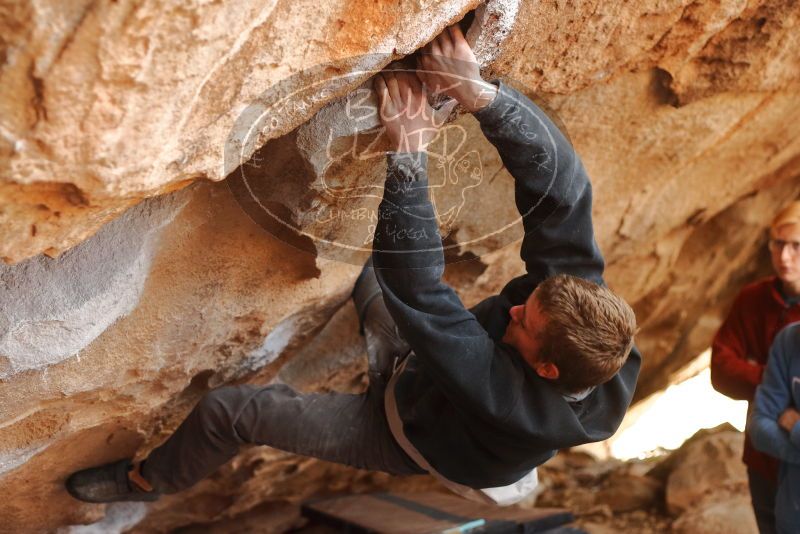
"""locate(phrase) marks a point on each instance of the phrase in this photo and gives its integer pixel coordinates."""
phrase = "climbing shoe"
(110, 483)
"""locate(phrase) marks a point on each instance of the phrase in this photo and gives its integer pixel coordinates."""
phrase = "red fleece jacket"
(740, 349)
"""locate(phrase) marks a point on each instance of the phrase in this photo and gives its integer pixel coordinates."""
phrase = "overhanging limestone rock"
(54, 308)
(354, 113)
(687, 164)
(161, 86)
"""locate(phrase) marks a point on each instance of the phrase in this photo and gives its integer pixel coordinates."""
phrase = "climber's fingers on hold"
(425, 64)
(421, 77)
(379, 85)
(411, 89)
(419, 67)
(413, 82)
(436, 49)
(394, 89)
(445, 44)
(403, 89)
(458, 39)
(455, 33)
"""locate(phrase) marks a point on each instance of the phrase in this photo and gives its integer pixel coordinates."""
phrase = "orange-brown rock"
(133, 283)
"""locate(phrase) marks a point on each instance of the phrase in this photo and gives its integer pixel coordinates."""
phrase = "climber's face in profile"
(783, 245)
(525, 322)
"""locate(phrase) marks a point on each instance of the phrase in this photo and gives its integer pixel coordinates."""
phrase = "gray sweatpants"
(337, 427)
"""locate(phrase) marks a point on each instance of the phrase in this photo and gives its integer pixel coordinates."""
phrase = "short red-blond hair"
(588, 333)
(788, 215)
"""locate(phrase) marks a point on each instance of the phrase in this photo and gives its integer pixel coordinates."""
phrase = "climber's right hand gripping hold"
(447, 65)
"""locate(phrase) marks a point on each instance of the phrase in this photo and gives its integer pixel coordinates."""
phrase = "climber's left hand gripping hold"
(404, 110)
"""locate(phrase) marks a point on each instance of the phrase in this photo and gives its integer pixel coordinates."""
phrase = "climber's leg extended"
(342, 428)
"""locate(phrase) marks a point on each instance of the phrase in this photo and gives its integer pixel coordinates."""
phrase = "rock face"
(734, 515)
(705, 467)
(133, 282)
(107, 104)
(699, 488)
(707, 487)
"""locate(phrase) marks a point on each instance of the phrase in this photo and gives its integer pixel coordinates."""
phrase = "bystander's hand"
(788, 419)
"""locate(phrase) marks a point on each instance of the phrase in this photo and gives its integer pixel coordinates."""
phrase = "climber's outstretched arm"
(409, 263)
(552, 189)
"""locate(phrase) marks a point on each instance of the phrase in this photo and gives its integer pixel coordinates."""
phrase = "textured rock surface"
(626, 492)
(682, 491)
(106, 104)
(686, 115)
(707, 487)
(732, 515)
(704, 467)
(52, 310)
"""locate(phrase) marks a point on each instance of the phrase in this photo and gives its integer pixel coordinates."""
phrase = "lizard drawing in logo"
(459, 169)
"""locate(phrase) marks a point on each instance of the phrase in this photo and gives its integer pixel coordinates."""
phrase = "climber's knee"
(219, 408)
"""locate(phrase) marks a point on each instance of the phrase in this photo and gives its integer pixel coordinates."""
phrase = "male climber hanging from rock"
(478, 398)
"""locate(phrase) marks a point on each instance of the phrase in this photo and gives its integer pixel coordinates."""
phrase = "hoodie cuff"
(493, 112)
(406, 178)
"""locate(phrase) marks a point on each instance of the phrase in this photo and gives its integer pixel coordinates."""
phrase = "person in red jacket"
(740, 348)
